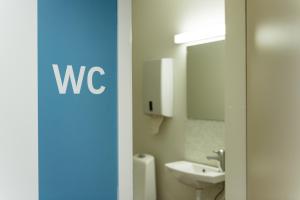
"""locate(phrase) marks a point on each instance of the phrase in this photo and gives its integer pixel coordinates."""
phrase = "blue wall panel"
(77, 132)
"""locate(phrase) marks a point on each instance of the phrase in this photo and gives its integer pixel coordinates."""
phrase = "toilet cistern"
(219, 157)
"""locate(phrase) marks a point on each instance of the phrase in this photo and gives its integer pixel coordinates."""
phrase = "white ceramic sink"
(198, 176)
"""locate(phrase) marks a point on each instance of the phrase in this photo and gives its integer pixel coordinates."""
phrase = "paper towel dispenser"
(158, 87)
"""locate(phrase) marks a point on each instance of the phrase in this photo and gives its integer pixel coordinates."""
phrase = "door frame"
(125, 185)
(236, 100)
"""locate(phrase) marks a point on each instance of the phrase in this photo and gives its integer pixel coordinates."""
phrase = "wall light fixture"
(206, 34)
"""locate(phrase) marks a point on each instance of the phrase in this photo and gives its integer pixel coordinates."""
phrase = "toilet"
(144, 182)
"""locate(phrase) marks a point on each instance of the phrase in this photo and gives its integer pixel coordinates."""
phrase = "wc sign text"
(77, 82)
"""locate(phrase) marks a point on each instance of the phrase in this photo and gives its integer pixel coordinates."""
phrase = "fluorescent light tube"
(206, 35)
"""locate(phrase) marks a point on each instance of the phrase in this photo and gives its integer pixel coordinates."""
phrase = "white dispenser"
(158, 87)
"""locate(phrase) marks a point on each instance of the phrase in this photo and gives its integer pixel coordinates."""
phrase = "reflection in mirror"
(205, 81)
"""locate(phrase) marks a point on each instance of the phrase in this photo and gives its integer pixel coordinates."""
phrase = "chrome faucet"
(220, 157)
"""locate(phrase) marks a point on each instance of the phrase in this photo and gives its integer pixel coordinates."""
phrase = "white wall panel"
(18, 100)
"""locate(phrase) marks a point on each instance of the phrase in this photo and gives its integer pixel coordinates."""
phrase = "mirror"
(205, 81)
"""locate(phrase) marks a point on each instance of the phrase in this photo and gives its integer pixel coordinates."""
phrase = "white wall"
(154, 24)
(18, 103)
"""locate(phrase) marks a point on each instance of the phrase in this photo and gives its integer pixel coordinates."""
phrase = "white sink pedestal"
(198, 194)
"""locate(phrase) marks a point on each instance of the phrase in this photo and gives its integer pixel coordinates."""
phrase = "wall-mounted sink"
(195, 175)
